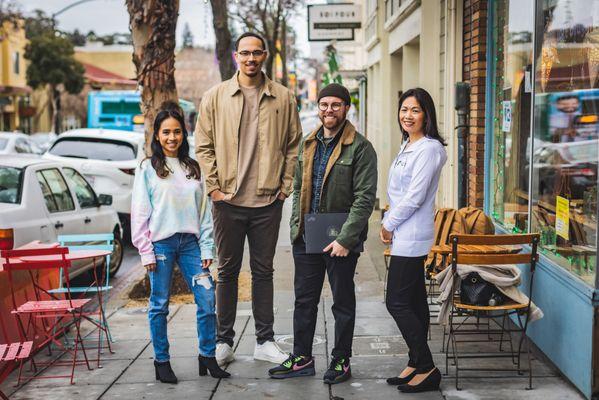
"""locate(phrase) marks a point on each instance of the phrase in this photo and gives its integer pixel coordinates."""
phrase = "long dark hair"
(158, 160)
(427, 105)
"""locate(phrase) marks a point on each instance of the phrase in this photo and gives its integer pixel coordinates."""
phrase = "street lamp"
(75, 4)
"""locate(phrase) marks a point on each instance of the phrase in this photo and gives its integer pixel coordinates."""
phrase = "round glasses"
(334, 106)
(245, 54)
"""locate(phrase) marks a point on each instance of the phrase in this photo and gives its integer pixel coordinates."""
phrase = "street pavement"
(379, 352)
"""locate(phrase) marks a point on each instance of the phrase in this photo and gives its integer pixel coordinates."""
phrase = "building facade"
(411, 43)
(536, 158)
(532, 146)
(14, 92)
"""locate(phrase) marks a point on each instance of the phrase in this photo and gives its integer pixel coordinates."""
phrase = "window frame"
(77, 139)
(21, 182)
(68, 189)
(88, 186)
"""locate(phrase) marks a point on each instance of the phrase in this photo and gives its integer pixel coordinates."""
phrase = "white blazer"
(411, 189)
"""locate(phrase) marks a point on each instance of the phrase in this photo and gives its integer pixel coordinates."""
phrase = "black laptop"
(322, 229)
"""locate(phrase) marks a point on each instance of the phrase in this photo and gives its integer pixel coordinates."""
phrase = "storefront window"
(566, 138)
(511, 88)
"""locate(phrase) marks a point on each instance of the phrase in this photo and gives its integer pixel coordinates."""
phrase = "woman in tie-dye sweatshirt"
(171, 222)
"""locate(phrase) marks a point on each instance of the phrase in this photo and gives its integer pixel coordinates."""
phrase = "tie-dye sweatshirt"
(162, 207)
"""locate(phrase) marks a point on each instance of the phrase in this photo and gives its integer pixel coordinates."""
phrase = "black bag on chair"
(474, 290)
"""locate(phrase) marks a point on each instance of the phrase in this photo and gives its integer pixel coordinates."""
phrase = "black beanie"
(335, 90)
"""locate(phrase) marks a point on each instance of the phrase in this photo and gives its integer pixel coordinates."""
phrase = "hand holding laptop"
(336, 249)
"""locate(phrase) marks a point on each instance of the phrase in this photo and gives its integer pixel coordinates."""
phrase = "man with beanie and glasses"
(336, 173)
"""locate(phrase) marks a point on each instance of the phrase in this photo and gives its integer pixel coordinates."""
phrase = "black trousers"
(308, 281)
(407, 303)
(231, 226)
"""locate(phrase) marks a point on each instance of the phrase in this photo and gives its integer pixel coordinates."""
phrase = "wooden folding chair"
(46, 317)
(518, 312)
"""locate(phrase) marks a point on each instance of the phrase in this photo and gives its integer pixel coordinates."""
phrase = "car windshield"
(94, 149)
(10, 185)
(3, 143)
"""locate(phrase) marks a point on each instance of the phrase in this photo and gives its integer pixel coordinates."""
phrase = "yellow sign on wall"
(562, 217)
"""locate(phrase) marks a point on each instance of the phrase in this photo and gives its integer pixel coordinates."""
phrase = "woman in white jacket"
(409, 226)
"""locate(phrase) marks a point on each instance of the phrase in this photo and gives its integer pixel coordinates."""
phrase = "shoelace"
(290, 360)
(337, 364)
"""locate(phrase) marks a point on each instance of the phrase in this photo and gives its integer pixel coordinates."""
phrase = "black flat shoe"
(164, 372)
(430, 383)
(397, 380)
(209, 364)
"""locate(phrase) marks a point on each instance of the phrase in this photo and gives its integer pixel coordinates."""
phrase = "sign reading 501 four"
(335, 16)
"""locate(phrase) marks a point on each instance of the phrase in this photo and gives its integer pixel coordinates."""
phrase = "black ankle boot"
(164, 372)
(209, 364)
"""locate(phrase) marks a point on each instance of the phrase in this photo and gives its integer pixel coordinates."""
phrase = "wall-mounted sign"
(325, 35)
(335, 16)
(562, 217)
(506, 120)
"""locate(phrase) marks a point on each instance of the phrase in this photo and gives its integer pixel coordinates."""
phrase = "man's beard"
(340, 122)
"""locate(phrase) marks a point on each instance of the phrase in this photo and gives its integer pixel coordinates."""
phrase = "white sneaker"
(269, 351)
(224, 354)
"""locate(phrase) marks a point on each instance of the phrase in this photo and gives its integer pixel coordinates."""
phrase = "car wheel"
(117, 255)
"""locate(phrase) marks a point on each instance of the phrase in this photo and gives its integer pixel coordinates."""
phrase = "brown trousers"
(231, 226)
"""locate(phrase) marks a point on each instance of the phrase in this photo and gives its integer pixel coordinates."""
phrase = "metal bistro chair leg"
(529, 363)
(502, 331)
(454, 347)
(521, 341)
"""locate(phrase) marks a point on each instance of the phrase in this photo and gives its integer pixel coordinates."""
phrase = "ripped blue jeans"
(183, 249)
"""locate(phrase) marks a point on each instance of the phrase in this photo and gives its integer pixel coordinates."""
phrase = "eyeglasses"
(245, 54)
(334, 106)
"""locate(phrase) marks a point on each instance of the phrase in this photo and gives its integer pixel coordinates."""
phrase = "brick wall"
(474, 72)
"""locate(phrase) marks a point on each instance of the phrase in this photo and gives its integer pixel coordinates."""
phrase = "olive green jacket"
(349, 185)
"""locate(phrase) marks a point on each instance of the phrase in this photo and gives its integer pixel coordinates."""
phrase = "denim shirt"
(324, 149)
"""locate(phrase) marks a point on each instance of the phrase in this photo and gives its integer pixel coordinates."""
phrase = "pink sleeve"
(141, 210)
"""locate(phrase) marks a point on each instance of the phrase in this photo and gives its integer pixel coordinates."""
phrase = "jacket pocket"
(341, 183)
(342, 172)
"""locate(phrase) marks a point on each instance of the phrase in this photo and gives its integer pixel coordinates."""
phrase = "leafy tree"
(52, 65)
(332, 75)
(77, 38)
(269, 18)
(187, 37)
(39, 25)
(9, 12)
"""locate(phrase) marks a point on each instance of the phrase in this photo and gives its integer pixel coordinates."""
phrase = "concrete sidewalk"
(379, 352)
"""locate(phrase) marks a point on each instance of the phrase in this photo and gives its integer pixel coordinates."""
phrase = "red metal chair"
(47, 317)
(11, 355)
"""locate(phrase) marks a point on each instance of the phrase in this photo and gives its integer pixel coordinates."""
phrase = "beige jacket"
(506, 278)
(217, 137)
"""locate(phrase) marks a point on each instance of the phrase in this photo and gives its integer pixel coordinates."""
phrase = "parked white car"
(41, 199)
(17, 143)
(43, 140)
(107, 158)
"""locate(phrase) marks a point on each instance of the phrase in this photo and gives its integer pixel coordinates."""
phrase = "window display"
(566, 137)
(563, 149)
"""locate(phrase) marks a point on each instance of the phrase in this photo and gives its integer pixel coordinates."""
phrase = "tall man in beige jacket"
(247, 139)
